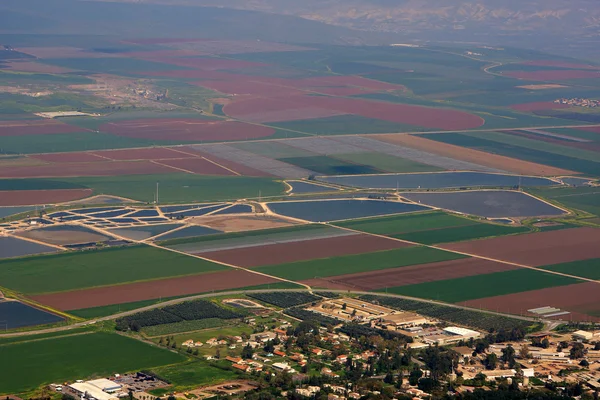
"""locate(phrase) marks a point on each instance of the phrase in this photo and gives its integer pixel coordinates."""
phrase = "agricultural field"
(586, 199)
(322, 268)
(486, 285)
(35, 363)
(586, 268)
(285, 300)
(64, 272)
(193, 374)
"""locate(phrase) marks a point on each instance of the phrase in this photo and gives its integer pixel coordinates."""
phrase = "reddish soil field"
(68, 157)
(192, 74)
(197, 166)
(243, 86)
(154, 153)
(580, 298)
(595, 129)
(436, 118)
(239, 168)
(187, 130)
(349, 81)
(209, 64)
(303, 250)
(339, 90)
(560, 64)
(34, 197)
(538, 106)
(553, 75)
(36, 127)
(109, 168)
(537, 249)
(164, 40)
(186, 285)
(411, 275)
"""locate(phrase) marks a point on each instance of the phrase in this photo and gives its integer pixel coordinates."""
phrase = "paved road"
(240, 292)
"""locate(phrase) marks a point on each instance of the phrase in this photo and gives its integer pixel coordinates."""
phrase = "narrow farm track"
(241, 292)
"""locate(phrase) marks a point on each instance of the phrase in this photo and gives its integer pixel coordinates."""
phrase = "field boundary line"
(206, 159)
(172, 167)
(46, 338)
(514, 264)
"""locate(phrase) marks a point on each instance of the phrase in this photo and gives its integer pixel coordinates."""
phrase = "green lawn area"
(326, 267)
(387, 163)
(193, 374)
(64, 272)
(585, 269)
(174, 188)
(345, 125)
(481, 286)
(27, 365)
(325, 165)
(460, 233)
(407, 223)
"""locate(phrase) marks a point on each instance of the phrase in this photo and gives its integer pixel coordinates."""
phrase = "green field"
(111, 65)
(329, 166)
(43, 336)
(481, 286)
(185, 326)
(407, 223)
(386, 162)
(326, 267)
(345, 125)
(580, 198)
(27, 365)
(458, 234)
(193, 374)
(64, 272)
(174, 188)
(586, 269)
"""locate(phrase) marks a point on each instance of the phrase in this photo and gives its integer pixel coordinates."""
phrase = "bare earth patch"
(474, 156)
(542, 87)
(62, 237)
(228, 223)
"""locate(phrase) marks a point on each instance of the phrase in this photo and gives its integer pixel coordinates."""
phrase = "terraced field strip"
(65, 272)
(386, 163)
(279, 253)
(321, 268)
(417, 156)
(485, 285)
(583, 268)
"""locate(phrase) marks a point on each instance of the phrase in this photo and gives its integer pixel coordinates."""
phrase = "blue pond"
(8, 211)
(237, 209)
(334, 210)
(14, 314)
(13, 247)
(172, 209)
(144, 213)
(191, 231)
(197, 212)
(487, 203)
(438, 180)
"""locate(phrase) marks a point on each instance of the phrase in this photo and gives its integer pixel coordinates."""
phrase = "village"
(579, 102)
(351, 349)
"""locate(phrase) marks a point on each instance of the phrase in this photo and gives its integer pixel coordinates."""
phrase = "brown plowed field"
(153, 153)
(80, 157)
(195, 130)
(413, 274)
(239, 168)
(589, 146)
(474, 156)
(197, 166)
(538, 106)
(537, 249)
(303, 250)
(182, 286)
(109, 168)
(35, 197)
(437, 118)
(229, 223)
(36, 127)
(553, 75)
(243, 86)
(580, 299)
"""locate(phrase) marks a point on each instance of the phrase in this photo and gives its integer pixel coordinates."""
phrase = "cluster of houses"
(579, 102)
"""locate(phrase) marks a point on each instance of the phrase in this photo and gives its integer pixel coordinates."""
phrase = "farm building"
(91, 392)
(404, 319)
(585, 335)
(452, 334)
